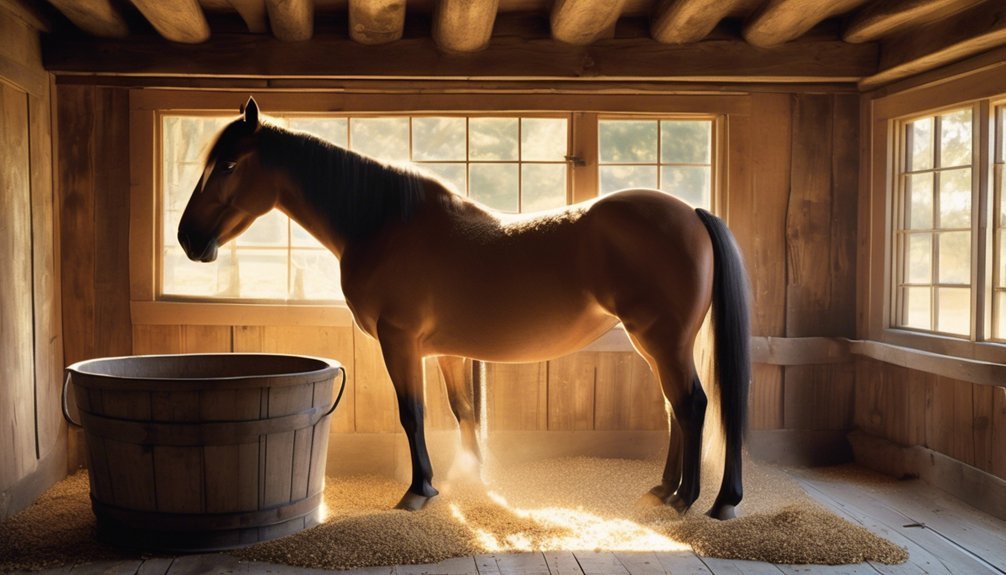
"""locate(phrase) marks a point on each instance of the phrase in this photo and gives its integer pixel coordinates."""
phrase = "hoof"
(413, 501)
(679, 504)
(722, 512)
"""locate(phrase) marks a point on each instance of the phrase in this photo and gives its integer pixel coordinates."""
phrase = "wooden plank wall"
(963, 420)
(791, 199)
(32, 448)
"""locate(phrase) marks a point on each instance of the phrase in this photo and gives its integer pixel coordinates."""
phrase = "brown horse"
(430, 273)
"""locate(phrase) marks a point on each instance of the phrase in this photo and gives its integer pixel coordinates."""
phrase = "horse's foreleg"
(401, 355)
(461, 394)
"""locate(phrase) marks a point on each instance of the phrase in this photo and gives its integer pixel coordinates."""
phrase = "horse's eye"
(228, 167)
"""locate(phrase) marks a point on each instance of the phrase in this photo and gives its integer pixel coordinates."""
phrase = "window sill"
(208, 313)
(985, 351)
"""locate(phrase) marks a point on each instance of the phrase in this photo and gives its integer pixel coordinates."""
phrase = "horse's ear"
(250, 111)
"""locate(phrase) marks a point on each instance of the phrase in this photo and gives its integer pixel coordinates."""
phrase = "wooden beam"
(291, 20)
(965, 34)
(780, 21)
(243, 55)
(461, 26)
(687, 21)
(253, 13)
(182, 21)
(378, 21)
(29, 13)
(885, 17)
(96, 17)
(581, 22)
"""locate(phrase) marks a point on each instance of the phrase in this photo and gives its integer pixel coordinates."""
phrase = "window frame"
(884, 114)
(147, 106)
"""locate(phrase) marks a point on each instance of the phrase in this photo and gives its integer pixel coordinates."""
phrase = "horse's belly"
(518, 339)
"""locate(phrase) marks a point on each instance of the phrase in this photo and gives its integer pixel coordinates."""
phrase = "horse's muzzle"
(208, 253)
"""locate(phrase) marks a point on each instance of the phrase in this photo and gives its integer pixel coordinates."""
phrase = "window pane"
(191, 136)
(543, 186)
(543, 139)
(330, 129)
(1001, 112)
(919, 264)
(495, 185)
(615, 178)
(452, 174)
(1001, 280)
(955, 138)
(689, 183)
(919, 197)
(269, 230)
(685, 141)
(917, 308)
(492, 139)
(179, 182)
(955, 258)
(262, 274)
(299, 237)
(182, 276)
(628, 141)
(438, 139)
(955, 198)
(315, 275)
(383, 138)
(920, 148)
(1000, 315)
(954, 315)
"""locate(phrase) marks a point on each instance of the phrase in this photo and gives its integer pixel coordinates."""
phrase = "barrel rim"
(329, 368)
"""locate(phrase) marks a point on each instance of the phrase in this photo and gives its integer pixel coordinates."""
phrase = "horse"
(428, 272)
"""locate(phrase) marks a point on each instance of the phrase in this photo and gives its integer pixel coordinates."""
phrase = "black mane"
(358, 193)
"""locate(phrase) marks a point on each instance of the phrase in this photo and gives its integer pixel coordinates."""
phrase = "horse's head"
(234, 190)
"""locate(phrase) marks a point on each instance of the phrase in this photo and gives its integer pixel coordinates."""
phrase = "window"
(934, 288)
(999, 267)
(674, 155)
(511, 163)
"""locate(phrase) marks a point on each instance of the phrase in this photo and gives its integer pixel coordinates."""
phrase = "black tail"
(731, 321)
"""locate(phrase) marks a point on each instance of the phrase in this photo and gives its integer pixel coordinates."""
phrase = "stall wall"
(32, 443)
(790, 181)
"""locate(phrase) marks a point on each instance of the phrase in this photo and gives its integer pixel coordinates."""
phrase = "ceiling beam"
(253, 13)
(507, 56)
(582, 22)
(780, 21)
(687, 21)
(180, 21)
(376, 21)
(96, 17)
(461, 26)
(965, 34)
(291, 20)
(885, 17)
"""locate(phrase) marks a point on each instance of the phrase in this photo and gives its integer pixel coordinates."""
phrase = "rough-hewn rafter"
(981, 28)
(180, 21)
(376, 21)
(96, 17)
(291, 20)
(685, 21)
(463, 25)
(885, 17)
(253, 13)
(783, 20)
(581, 22)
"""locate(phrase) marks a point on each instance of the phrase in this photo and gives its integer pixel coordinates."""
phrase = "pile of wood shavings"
(566, 504)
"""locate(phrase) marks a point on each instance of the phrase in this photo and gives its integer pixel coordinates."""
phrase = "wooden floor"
(942, 536)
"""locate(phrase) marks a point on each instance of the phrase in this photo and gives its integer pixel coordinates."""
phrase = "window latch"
(575, 160)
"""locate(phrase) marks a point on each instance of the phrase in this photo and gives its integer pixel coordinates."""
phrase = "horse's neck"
(338, 195)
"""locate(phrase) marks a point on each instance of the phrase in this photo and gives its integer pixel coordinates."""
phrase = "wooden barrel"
(203, 452)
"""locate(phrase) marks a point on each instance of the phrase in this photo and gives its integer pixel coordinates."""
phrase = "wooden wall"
(790, 197)
(32, 445)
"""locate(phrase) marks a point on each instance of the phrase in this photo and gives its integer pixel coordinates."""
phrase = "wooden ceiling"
(867, 41)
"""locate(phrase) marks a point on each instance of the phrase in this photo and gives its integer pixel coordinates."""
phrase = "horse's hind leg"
(675, 369)
(461, 394)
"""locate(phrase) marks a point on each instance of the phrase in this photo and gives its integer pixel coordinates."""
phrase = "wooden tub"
(204, 451)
